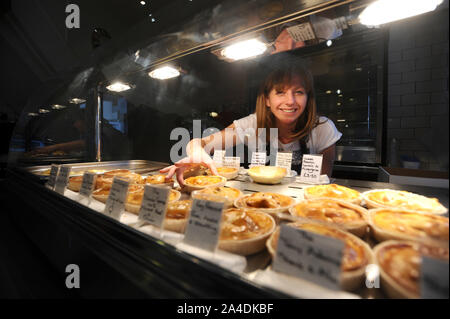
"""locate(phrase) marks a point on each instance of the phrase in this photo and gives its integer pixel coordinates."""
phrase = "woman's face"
(289, 103)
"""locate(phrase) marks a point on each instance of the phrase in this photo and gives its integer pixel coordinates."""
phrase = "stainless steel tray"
(137, 166)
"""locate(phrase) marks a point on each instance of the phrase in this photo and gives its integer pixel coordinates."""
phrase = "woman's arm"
(328, 159)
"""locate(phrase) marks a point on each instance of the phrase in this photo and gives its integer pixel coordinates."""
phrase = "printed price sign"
(309, 256)
(62, 179)
(301, 32)
(284, 160)
(229, 161)
(116, 200)
(203, 226)
(259, 159)
(87, 186)
(218, 157)
(154, 204)
(434, 278)
(53, 174)
(311, 168)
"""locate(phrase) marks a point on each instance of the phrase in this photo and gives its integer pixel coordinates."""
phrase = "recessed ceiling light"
(328, 92)
(77, 101)
(43, 111)
(329, 43)
(163, 73)
(33, 114)
(143, 3)
(118, 87)
(153, 20)
(58, 106)
(244, 49)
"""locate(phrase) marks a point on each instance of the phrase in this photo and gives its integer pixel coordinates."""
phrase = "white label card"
(53, 174)
(309, 256)
(259, 159)
(434, 278)
(218, 157)
(87, 186)
(116, 199)
(301, 32)
(311, 168)
(154, 204)
(62, 179)
(284, 159)
(203, 227)
(229, 161)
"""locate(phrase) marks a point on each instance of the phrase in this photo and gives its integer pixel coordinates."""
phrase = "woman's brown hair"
(279, 80)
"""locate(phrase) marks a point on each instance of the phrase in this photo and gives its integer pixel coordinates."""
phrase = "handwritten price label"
(154, 204)
(234, 162)
(311, 168)
(116, 199)
(218, 157)
(309, 256)
(259, 159)
(52, 178)
(87, 186)
(284, 160)
(203, 226)
(62, 179)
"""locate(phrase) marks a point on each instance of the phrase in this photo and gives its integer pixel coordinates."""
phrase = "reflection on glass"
(165, 72)
(118, 87)
(244, 49)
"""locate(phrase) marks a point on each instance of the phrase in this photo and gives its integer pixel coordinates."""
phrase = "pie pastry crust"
(399, 263)
(333, 191)
(390, 198)
(267, 174)
(158, 179)
(228, 194)
(102, 194)
(200, 182)
(389, 223)
(245, 232)
(270, 203)
(357, 254)
(177, 215)
(228, 172)
(75, 183)
(134, 199)
(350, 217)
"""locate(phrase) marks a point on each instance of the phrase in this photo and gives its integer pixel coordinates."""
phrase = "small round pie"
(158, 179)
(389, 223)
(75, 183)
(124, 173)
(357, 254)
(267, 174)
(102, 194)
(177, 214)
(245, 232)
(199, 182)
(400, 264)
(230, 194)
(271, 203)
(351, 217)
(228, 172)
(333, 191)
(390, 198)
(134, 199)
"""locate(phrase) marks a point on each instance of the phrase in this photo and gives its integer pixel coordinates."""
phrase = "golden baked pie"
(177, 214)
(134, 199)
(75, 183)
(404, 200)
(102, 194)
(333, 191)
(388, 223)
(400, 263)
(351, 217)
(195, 170)
(158, 179)
(356, 256)
(266, 202)
(245, 232)
(200, 182)
(229, 194)
(228, 172)
(125, 174)
(267, 174)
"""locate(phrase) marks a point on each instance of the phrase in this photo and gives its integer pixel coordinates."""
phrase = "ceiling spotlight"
(58, 106)
(77, 101)
(385, 11)
(338, 91)
(328, 92)
(329, 43)
(143, 3)
(153, 20)
(118, 87)
(244, 49)
(33, 114)
(163, 73)
(213, 114)
(43, 111)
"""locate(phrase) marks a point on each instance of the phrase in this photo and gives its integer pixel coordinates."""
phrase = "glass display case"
(117, 114)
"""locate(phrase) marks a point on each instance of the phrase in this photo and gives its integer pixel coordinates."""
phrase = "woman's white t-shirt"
(322, 136)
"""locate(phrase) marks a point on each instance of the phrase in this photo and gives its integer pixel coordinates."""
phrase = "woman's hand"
(188, 162)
